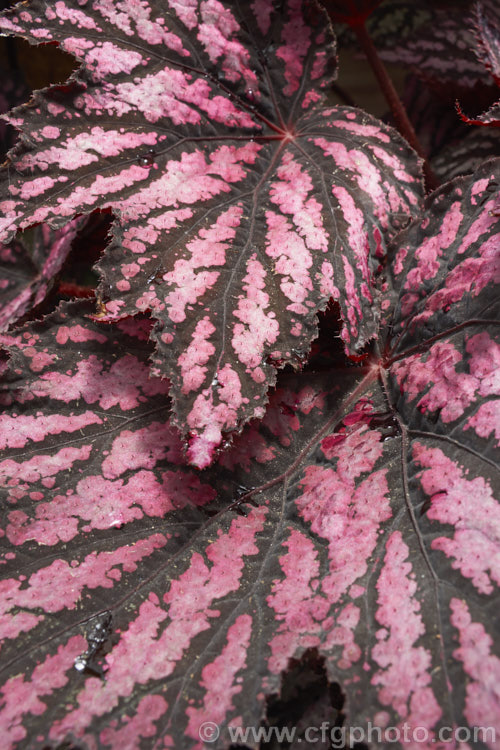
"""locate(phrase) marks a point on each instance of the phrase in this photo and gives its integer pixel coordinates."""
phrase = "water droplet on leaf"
(80, 664)
(147, 159)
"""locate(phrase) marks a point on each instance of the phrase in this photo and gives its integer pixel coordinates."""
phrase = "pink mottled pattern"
(224, 231)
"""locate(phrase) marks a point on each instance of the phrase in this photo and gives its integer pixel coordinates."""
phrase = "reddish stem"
(398, 111)
(74, 290)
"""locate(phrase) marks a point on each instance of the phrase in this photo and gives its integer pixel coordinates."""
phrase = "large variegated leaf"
(30, 263)
(242, 203)
(369, 538)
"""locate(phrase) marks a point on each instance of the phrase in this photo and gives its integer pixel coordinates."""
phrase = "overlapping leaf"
(442, 48)
(466, 154)
(487, 48)
(373, 539)
(243, 205)
(29, 266)
(85, 428)
(444, 266)
(445, 325)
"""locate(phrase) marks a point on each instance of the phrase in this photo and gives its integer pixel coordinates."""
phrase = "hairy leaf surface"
(243, 204)
(368, 530)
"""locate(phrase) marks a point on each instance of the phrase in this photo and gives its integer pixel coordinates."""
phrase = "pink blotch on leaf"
(404, 675)
(470, 507)
(345, 509)
(218, 678)
(482, 667)
(446, 389)
(298, 607)
(149, 710)
(23, 695)
(256, 328)
(193, 359)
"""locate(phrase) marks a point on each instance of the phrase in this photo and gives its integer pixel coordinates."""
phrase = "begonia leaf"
(151, 605)
(242, 202)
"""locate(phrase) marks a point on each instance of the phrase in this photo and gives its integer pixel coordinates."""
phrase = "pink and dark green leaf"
(443, 341)
(443, 356)
(242, 204)
(85, 428)
(444, 267)
(150, 591)
(120, 659)
(87, 450)
(29, 266)
(226, 352)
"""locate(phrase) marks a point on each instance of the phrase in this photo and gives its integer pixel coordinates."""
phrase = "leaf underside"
(242, 203)
(141, 605)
